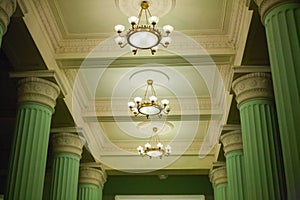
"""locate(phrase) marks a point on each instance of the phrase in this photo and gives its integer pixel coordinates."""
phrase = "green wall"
(152, 185)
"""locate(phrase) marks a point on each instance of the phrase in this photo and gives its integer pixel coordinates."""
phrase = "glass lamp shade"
(153, 20)
(120, 40)
(131, 104)
(143, 38)
(148, 145)
(154, 153)
(159, 145)
(119, 28)
(138, 99)
(153, 98)
(165, 102)
(168, 29)
(150, 110)
(166, 40)
(133, 20)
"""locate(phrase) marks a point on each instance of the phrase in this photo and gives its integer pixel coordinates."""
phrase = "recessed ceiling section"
(98, 17)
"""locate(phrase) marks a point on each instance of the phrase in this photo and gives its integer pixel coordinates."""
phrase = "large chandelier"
(154, 148)
(149, 106)
(143, 36)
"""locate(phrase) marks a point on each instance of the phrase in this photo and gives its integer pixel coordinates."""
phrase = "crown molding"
(82, 46)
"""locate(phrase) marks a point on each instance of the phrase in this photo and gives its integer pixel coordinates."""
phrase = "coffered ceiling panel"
(98, 17)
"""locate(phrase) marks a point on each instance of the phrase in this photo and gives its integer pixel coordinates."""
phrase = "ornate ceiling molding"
(64, 46)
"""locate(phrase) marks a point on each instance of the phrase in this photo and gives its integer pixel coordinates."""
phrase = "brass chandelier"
(154, 148)
(143, 36)
(149, 106)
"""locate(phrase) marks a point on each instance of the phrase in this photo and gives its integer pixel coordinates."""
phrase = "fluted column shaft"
(218, 178)
(36, 98)
(260, 136)
(233, 148)
(7, 8)
(282, 23)
(91, 183)
(67, 149)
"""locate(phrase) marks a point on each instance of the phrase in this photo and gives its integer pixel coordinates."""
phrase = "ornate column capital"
(7, 8)
(218, 175)
(89, 175)
(67, 143)
(253, 86)
(232, 141)
(265, 5)
(38, 90)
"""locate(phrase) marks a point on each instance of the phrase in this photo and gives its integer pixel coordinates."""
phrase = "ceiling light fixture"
(145, 36)
(154, 148)
(149, 106)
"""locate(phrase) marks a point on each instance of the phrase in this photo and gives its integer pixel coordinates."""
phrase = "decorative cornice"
(225, 41)
(7, 8)
(88, 175)
(266, 5)
(253, 86)
(218, 176)
(67, 143)
(38, 90)
(232, 141)
(48, 74)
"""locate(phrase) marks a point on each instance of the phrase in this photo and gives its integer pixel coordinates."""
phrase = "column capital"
(253, 86)
(232, 141)
(38, 90)
(89, 175)
(265, 5)
(67, 143)
(7, 8)
(218, 175)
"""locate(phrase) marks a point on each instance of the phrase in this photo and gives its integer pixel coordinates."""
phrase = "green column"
(262, 154)
(218, 178)
(7, 8)
(67, 149)
(282, 23)
(91, 183)
(233, 148)
(36, 101)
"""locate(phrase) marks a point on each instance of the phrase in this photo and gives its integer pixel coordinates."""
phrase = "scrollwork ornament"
(89, 175)
(7, 8)
(38, 90)
(253, 86)
(67, 143)
(232, 141)
(218, 176)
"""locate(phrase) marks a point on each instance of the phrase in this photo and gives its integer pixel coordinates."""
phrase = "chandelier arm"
(146, 92)
(153, 91)
(139, 16)
(146, 16)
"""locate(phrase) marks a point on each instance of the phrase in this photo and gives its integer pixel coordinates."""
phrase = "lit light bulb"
(133, 20)
(131, 104)
(138, 100)
(165, 102)
(168, 29)
(119, 28)
(153, 99)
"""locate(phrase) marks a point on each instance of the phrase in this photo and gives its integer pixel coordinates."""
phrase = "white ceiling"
(77, 41)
